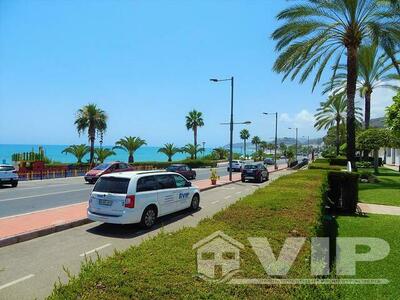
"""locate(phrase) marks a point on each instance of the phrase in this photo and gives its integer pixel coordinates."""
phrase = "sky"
(147, 64)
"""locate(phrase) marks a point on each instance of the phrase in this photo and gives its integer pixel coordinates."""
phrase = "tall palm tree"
(256, 141)
(169, 150)
(333, 113)
(374, 72)
(194, 120)
(130, 144)
(94, 120)
(244, 135)
(318, 32)
(79, 151)
(191, 149)
(102, 154)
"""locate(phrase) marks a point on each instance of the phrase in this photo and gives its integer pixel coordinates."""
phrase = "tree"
(169, 150)
(282, 147)
(256, 141)
(318, 32)
(130, 144)
(374, 139)
(263, 145)
(244, 135)
(393, 115)
(374, 72)
(79, 151)
(194, 120)
(192, 150)
(102, 154)
(331, 113)
(94, 120)
(221, 152)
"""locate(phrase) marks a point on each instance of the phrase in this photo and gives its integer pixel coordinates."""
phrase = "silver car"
(8, 175)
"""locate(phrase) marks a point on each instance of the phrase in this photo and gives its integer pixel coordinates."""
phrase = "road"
(29, 269)
(36, 195)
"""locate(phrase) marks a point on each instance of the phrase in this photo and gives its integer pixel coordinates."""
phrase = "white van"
(140, 197)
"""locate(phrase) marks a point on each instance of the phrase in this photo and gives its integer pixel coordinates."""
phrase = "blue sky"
(146, 63)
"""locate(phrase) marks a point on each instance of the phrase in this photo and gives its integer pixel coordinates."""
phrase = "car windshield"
(7, 168)
(101, 167)
(250, 167)
(115, 185)
(173, 168)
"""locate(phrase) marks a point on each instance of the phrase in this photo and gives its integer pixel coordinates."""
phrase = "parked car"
(255, 172)
(106, 168)
(269, 161)
(8, 175)
(182, 169)
(237, 166)
(140, 197)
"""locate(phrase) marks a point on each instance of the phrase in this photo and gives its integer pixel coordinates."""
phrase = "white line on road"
(16, 281)
(227, 197)
(94, 250)
(48, 194)
(36, 187)
(215, 202)
(238, 192)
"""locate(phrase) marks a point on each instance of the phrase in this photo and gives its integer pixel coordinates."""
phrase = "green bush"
(338, 161)
(323, 166)
(363, 164)
(322, 160)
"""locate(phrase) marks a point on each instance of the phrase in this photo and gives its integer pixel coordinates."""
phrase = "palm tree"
(194, 120)
(244, 135)
(79, 151)
(102, 154)
(256, 141)
(373, 72)
(169, 150)
(221, 152)
(333, 113)
(318, 32)
(191, 149)
(263, 145)
(130, 144)
(94, 120)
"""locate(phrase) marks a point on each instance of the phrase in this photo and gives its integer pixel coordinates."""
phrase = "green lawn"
(380, 226)
(165, 267)
(387, 191)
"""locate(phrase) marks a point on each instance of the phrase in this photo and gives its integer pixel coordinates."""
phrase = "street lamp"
(297, 133)
(204, 144)
(231, 124)
(276, 135)
(308, 145)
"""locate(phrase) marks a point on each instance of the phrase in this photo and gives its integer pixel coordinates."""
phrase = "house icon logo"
(218, 257)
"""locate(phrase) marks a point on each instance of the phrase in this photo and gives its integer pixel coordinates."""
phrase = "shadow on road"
(128, 231)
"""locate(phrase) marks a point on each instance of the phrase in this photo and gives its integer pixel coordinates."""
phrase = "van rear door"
(108, 196)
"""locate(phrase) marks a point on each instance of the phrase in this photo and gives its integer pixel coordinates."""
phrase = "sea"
(54, 152)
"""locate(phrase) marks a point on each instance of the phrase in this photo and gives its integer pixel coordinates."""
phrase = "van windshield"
(250, 167)
(115, 185)
(101, 167)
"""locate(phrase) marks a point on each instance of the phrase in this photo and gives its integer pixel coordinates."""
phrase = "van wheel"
(14, 184)
(149, 217)
(195, 202)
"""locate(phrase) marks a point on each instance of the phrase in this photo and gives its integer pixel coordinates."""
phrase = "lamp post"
(297, 133)
(204, 149)
(231, 123)
(276, 135)
(308, 145)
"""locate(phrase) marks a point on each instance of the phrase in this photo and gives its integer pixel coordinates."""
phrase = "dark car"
(106, 168)
(255, 172)
(269, 161)
(182, 169)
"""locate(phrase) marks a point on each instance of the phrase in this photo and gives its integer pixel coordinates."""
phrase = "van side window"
(180, 181)
(166, 181)
(145, 184)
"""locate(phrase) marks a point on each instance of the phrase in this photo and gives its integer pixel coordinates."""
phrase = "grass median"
(165, 266)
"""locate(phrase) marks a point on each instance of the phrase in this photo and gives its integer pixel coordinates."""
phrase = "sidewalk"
(392, 167)
(380, 209)
(15, 229)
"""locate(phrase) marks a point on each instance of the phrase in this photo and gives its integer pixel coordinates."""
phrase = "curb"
(26, 236)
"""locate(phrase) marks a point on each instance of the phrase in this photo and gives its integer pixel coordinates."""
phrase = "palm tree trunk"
(367, 112)
(351, 92)
(130, 158)
(337, 136)
(244, 148)
(195, 140)
(376, 160)
(91, 149)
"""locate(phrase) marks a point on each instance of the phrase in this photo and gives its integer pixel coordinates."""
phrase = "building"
(390, 156)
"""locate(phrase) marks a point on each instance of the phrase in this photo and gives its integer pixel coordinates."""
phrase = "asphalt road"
(36, 195)
(29, 269)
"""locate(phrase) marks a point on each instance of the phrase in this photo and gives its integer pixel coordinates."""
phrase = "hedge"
(338, 161)
(193, 163)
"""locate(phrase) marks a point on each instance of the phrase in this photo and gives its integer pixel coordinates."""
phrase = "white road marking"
(48, 194)
(215, 202)
(227, 197)
(16, 281)
(238, 192)
(37, 187)
(94, 250)
(228, 188)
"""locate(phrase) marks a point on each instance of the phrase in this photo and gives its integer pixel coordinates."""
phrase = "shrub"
(323, 166)
(343, 190)
(364, 164)
(338, 161)
(322, 160)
